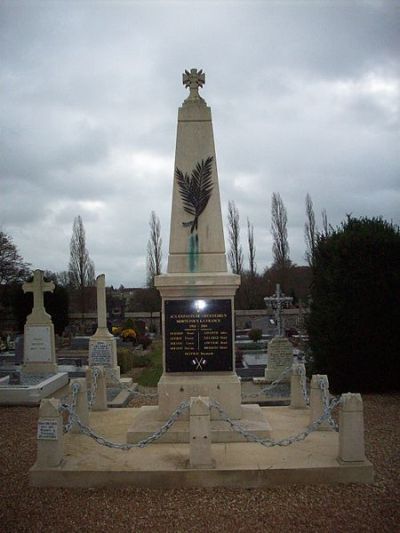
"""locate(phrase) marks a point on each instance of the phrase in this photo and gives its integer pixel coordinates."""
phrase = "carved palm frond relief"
(195, 190)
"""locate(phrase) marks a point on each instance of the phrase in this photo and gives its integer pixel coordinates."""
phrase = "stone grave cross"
(38, 286)
(277, 302)
(103, 345)
(101, 305)
(193, 80)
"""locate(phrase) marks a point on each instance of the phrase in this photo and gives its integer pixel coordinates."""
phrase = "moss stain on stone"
(193, 253)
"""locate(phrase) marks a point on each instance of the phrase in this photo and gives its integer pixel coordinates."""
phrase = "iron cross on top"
(193, 80)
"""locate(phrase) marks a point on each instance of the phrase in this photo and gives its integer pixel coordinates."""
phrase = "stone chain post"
(351, 429)
(297, 400)
(100, 402)
(317, 400)
(50, 435)
(82, 407)
(200, 433)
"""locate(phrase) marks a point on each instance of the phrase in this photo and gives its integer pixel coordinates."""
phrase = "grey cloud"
(89, 106)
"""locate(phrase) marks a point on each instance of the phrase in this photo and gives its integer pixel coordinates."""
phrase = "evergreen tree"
(355, 309)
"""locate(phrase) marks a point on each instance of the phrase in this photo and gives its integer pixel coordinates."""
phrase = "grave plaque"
(47, 429)
(280, 358)
(198, 335)
(37, 344)
(100, 354)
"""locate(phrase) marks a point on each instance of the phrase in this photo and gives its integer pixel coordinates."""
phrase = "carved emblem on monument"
(193, 80)
(195, 190)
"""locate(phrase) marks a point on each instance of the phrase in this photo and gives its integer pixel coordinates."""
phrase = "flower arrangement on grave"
(128, 334)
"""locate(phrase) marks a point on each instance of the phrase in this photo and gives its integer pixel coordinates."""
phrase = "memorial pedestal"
(198, 325)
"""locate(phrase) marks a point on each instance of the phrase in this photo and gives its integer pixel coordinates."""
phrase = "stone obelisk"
(197, 291)
(103, 345)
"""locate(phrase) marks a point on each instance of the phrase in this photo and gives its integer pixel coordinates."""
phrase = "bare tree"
(12, 266)
(62, 278)
(235, 254)
(81, 267)
(154, 250)
(325, 225)
(252, 249)
(310, 231)
(280, 246)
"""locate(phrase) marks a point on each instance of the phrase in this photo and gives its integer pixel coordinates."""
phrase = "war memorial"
(200, 434)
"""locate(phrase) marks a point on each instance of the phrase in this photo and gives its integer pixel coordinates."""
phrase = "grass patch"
(252, 345)
(140, 361)
(152, 373)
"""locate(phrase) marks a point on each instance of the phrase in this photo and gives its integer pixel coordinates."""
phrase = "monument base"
(147, 421)
(237, 465)
(224, 387)
(40, 368)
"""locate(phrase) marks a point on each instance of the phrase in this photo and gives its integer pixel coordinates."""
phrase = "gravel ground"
(327, 508)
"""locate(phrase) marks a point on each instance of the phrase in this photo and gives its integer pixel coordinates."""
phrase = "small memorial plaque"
(47, 429)
(198, 335)
(100, 354)
(37, 344)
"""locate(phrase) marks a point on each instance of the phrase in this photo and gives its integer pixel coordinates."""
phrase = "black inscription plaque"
(198, 335)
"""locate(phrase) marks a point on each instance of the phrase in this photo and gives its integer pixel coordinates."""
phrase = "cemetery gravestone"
(280, 358)
(280, 349)
(103, 345)
(39, 343)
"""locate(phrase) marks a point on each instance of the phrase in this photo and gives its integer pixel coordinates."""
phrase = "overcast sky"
(305, 97)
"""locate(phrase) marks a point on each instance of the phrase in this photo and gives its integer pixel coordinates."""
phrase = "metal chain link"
(270, 386)
(75, 388)
(323, 385)
(93, 388)
(269, 443)
(184, 406)
(86, 430)
(301, 371)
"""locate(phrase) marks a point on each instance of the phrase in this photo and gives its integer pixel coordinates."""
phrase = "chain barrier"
(86, 430)
(269, 443)
(301, 371)
(269, 387)
(323, 385)
(93, 388)
(184, 406)
(71, 407)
